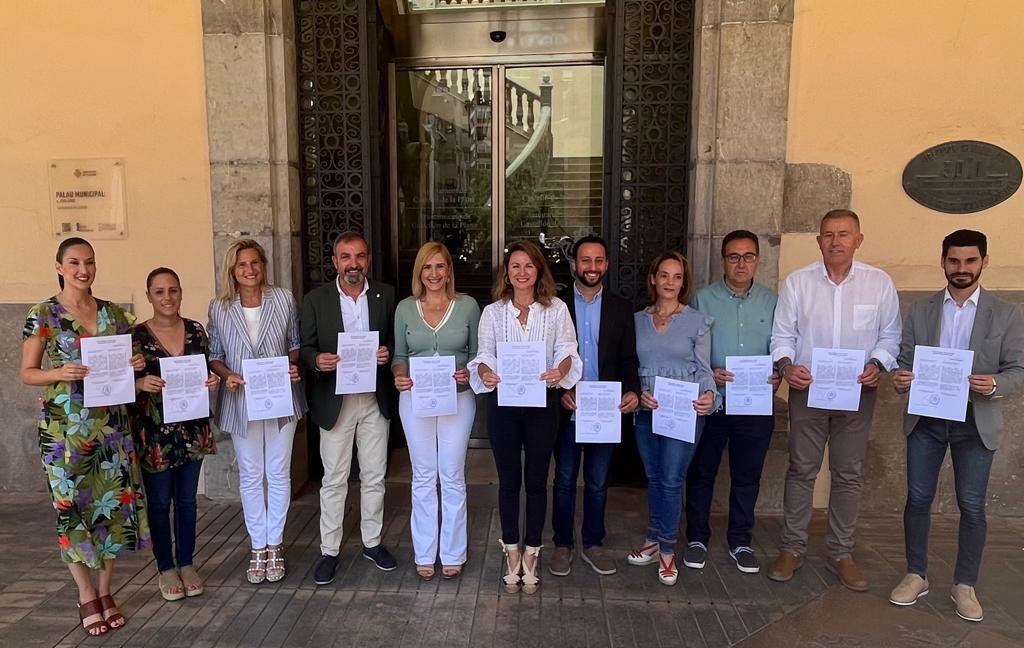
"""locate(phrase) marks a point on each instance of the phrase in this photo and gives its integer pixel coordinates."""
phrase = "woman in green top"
(171, 453)
(436, 321)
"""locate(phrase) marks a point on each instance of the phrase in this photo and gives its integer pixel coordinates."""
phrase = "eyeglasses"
(749, 257)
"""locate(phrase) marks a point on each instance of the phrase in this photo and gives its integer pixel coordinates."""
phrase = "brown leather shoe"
(848, 573)
(785, 565)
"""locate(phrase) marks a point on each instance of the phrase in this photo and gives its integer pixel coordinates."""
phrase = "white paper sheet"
(111, 379)
(434, 392)
(675, 416)
(749, 393)
(940, 388)
(598, 419)
(520, 365)
(357, 363)
(185, 395)
(835, 385)
(268, 388)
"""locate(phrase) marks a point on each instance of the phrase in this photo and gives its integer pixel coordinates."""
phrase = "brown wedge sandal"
(93, 608)
(115, 619)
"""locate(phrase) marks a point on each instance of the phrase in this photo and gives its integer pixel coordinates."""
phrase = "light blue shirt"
(958, 321)
(742, 323)
(588, 330)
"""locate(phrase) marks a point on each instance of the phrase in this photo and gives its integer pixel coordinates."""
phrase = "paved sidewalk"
(718, 606)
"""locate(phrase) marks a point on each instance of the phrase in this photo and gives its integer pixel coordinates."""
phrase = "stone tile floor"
(718, 606)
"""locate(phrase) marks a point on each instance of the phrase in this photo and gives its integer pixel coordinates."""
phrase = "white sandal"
(275, 563)
(531, 578)
(511, 578)
(257, 572)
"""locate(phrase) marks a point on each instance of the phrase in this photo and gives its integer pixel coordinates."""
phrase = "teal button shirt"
(742, 324)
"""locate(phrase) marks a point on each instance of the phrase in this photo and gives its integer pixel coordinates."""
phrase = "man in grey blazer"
(351, 303)
(962, 316)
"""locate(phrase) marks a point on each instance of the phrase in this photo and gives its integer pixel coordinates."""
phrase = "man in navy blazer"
(607, 340)
(961, 316)
(351, 303)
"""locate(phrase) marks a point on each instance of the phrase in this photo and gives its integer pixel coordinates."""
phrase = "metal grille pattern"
(650, 93)
(335, 102)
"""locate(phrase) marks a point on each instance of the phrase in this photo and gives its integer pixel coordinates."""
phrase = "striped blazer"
(229, 343)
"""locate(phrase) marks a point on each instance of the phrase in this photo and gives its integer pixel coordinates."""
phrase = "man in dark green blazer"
(352, 303)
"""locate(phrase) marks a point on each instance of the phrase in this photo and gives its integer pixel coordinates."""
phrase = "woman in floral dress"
(88, 454)
(171, 453)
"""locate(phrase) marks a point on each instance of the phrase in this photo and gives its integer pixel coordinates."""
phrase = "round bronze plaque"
(962, 177)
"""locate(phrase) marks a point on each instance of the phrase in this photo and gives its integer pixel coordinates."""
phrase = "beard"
(582, 278)
(962, 279)
(353, 276)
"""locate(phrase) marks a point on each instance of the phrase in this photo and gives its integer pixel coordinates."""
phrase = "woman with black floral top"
(171, 453)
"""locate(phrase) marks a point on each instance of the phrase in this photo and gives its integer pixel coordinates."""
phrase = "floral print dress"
(88, 453)
(164, 446)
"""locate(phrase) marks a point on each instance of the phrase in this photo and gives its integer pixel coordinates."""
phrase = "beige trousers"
(360, 422)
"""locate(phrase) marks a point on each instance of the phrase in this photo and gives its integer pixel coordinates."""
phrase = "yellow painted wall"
(875, 82)
(121, 78)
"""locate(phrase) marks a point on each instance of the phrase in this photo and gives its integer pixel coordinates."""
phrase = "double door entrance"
(483, 155)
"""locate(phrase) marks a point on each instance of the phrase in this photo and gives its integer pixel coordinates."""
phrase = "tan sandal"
(511, 578)
(425, 572)
(450, 572)
(257, 572)
(90, 609)
(531, 578)
(171, 587)
(191, 580)
(275, 563)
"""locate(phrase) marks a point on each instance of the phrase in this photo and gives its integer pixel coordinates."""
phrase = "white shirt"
(355, 313)
(958, 321)
(252, 323)
(862, 312)
(552, 324)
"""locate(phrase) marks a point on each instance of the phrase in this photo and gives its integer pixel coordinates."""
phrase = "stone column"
(249, 50)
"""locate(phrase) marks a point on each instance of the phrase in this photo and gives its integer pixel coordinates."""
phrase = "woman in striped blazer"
(251, 319)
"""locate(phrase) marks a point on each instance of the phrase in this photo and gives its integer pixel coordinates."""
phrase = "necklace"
(662, 320)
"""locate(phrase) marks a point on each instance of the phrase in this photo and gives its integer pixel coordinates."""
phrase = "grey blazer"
(229, 343)
(997, 340)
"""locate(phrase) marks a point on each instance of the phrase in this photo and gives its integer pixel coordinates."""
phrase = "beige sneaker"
(911, 588)
(967, 606)
(561, 562)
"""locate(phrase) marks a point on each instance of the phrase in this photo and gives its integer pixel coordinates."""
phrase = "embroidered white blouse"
(552, 324)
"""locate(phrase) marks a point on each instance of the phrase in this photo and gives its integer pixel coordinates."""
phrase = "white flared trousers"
(437, 449)
(264, 455)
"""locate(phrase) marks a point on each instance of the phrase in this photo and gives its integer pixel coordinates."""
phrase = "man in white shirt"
(962, 316)
(834, 303)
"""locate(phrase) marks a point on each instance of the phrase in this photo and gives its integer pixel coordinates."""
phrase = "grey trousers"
(847, 436)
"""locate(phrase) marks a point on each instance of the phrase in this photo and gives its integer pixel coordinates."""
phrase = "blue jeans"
(972, 462)
(596, 459)
(665, 462)
(177, 485)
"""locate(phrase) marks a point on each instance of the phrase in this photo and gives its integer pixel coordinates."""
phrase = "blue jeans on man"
(748, 438)
(972, 463)
(666, 461)
(596, 459)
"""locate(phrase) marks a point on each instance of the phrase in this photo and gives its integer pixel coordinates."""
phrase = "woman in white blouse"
(525, 309)
(251, 319)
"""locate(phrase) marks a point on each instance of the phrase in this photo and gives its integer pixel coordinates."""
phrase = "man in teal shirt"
(742, 311)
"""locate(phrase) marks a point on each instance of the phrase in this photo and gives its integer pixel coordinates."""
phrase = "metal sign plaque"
(962, 177)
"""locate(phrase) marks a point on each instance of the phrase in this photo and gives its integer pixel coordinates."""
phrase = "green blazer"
(321, 322)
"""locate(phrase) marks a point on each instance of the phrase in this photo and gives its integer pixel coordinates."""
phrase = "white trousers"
(437, 448)
(265, 453)
(360, 421)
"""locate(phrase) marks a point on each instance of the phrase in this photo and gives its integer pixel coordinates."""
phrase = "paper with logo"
(434, 392)
(268, 388)
(598, 419)
(749, 393)
(520, 365)
(940, 388)
(834, 385)
(185, 395)
(675, 416)
(357, 363)
(111, 379)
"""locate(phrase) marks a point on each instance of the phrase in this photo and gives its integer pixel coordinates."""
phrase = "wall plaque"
(87, 198)
(962, 177)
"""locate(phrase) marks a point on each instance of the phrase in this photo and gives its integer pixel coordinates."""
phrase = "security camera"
(498, 35)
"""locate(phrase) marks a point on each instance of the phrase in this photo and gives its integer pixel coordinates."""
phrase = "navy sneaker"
(381, 557)
(745, 559)
(323, 571)
(695, 556)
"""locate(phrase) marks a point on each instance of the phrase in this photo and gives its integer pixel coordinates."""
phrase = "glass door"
(459, 179)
